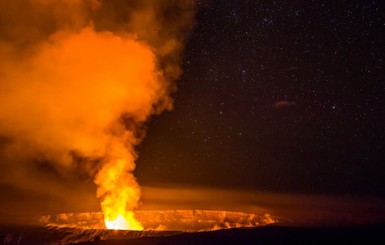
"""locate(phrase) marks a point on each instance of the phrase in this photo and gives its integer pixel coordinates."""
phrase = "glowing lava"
(119, 192)
(86, 227)
(123, 223)
(163, 220)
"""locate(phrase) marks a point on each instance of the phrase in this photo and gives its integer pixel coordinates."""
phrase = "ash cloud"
(79, 79)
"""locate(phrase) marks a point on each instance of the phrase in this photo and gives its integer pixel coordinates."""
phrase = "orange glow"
(120, 194)
(165, 220)
(78, 82)
(86, 82)
(128, 222)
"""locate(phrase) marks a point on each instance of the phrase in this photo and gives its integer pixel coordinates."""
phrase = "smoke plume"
(78, 81)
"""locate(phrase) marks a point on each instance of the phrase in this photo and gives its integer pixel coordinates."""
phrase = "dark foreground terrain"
(373, 234)
(269, 235)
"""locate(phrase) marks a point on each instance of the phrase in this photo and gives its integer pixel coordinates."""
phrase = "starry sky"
(283, 96)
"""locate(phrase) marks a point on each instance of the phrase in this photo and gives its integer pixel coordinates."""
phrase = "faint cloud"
(280, 104)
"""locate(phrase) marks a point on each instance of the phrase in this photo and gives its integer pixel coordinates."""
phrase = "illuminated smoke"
(78, 81)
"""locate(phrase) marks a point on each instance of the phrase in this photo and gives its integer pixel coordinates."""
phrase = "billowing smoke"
(78, 81)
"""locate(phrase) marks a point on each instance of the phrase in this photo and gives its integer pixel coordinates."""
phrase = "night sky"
(283, 96)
